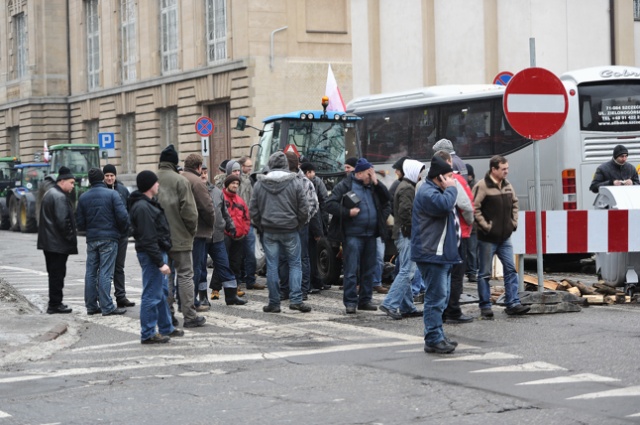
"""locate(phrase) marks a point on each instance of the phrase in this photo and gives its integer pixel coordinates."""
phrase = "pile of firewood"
(598, 293)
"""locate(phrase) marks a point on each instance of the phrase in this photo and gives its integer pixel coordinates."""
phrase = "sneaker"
(59, 309)
(442, 347)
(351, 309)
(517, 310)
(202, 307)
(271, 308)
(156, 339)
(367, 307)
(463, 318)
(215, 295)
(486, 313)
(417, 313)
(472, 278)
(195, 323)
(381, 289)
(93, 312)
(302, 307)
(176, 332)
(115, 311)
(256, 285)
(124, 302)
(450, 341)
(391, 313)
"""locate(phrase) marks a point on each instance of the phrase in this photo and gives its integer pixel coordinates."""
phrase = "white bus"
(604, 111)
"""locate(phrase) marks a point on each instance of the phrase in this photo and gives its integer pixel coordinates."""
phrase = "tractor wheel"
(329, 267)
(27, 216)
(4, 214)
(14, 212)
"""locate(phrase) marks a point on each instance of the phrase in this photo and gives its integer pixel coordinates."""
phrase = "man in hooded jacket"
(615, 172)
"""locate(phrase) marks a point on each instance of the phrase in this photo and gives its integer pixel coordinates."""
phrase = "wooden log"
(574, 291)
(547, 284)
(601, 288)
(594, 299)
(609, 299)
(584, 289)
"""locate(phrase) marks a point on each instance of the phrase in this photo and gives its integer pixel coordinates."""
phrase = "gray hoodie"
(278, 204)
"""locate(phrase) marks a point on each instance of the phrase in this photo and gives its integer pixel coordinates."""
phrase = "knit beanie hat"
(109, 169)
(352, 161)
(278, 161)
(619, 150)
(438, 167)
(399, 163)
(362, 165)
(307, 166)
(232, 165)
(223, 166)
(443, 145)
(64, 173)
(169, 154)
(95, 175)
(145, 180)
(470, 170)
(230, 179)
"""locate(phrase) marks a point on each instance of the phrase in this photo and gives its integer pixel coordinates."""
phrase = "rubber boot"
(231, 297)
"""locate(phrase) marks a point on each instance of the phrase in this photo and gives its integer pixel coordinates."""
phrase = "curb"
(54, 332)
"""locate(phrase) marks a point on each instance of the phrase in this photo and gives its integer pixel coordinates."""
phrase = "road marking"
(20, 269)
(4, 414)
(525, 367)
(633, 416)
(621, 392)
(474, 357)
(581, 377)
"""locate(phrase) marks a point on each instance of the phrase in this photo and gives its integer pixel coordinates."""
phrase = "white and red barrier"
(579, 231)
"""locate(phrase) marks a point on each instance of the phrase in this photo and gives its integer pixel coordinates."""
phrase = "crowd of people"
(446, 225)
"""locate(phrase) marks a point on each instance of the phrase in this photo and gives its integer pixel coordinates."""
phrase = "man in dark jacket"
(278, 209)
(616, 172)
(496, 214)
(57, 236)
(111, 181)
(153, 241)
(435, 240)
(357, 227)
(104, 217)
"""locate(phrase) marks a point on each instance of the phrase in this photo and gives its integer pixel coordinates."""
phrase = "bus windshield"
(610, 106)
(326, 144)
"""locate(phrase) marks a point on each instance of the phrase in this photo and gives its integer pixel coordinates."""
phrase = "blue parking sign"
(107, 140)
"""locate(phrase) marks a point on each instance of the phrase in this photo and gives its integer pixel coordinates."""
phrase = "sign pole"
(536, 173)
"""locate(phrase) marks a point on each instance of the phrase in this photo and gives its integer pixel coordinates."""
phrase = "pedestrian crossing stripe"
(621, 392)
(581, 377)
(525, 367)
(487, 356)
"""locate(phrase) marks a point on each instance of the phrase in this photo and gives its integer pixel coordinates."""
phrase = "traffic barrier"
(579, 231)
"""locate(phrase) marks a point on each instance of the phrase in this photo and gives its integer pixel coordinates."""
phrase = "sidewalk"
(26, 333)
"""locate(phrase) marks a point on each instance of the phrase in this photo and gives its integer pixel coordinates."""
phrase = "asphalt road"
(324, 367)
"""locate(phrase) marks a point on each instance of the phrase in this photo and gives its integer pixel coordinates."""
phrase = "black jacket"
(57, 229)
(150, 227)
(610, 171)
(340, 213)
(124, 195)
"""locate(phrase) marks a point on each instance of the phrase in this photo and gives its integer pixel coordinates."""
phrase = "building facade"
(147, 70)
(435, 42)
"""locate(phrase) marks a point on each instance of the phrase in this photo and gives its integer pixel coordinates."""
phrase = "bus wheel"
(329, 267)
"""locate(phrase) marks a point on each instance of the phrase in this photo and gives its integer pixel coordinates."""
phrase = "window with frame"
(91, 130)
(169, 127)
(93, 44)
(14, 141)
(129, 47)
(128, 145)
(169, 35)
(20, 45)
(216, 30)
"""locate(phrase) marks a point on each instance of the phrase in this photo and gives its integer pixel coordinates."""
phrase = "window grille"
(216, 30)
(169, 35)
(20, 34)
(636, 10)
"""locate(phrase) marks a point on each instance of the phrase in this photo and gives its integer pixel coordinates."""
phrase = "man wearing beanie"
(358, 227)
(57, 236)
(447, 146)
(435, 239)
(110, 180)
(496, 214)
(278, 210)
(179, 206)
(615, 172)
(102, 214)
(350, 164)
(153, 241)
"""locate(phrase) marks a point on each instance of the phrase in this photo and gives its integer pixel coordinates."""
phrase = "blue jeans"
(472, 255)
(272, 243)
(199, 255)
(417, 284)
(359, 256)
(400, 295)
(304, 262)
(377, 277)
(504, 251)
(249, 264)
(437, 281)
(154, 308)
(101, 262)
(221, 269)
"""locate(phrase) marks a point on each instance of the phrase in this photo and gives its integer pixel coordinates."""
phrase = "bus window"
(610, 106)
(468, 126)
(385, 136)
(423, 126)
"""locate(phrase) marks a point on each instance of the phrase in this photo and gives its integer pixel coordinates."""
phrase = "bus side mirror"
(241, 124)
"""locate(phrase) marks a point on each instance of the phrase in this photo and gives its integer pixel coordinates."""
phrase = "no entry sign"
(535, 103)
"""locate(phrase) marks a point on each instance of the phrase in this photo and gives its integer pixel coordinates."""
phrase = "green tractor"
(21, 197)
(7, 180)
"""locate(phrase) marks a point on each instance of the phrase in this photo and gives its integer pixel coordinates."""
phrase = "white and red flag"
(333, 93)
(46, 152)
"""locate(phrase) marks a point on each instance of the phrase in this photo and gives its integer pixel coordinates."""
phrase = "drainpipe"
(273, 33)
(68, 75)
(612, 30)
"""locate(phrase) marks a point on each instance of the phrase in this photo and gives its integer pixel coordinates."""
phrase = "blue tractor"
(21, 196)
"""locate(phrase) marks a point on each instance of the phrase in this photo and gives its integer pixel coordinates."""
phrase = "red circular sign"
(535, 103)
(204, 126)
